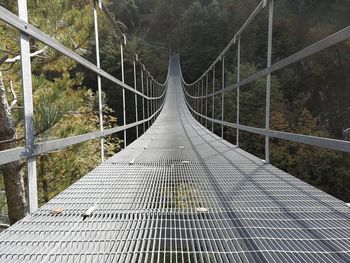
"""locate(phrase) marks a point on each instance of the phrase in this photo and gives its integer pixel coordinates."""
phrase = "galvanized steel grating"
(182, 194)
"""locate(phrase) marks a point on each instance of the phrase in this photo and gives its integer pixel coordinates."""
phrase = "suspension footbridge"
(181, 193)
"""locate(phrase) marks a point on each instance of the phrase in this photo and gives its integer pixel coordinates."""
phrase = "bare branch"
(18, 58)
(9, 140)
(14, 102)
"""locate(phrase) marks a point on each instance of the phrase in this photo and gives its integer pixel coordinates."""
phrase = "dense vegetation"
(63, 104)
(310, 97)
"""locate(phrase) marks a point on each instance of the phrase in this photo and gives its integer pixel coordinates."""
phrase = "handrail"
(12, 155)
(257, 10)
(332, 144)
(31, 30)
(318, 46)
(15, 154)
(115, 25)
(32, 149)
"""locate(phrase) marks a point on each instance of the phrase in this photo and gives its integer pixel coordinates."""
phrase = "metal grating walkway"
(182, 194)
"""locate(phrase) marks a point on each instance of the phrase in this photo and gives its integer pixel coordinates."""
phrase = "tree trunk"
(44, 179)
(13, 179)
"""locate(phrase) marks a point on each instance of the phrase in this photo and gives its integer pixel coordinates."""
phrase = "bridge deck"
(187, 196)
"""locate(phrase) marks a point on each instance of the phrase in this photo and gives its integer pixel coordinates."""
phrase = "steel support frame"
(28, 109)
(123, 80)
(202, 93)
(154, 86)
(143, 99)
(194, 90)
(135, 85)
(156, 101)
(268, 81)
(197, 100)
(238, 87)
(222, 95)
(157, 92)
(213, 100)
(152, 102)
(148, 102)
(99, 83)
(206, 100)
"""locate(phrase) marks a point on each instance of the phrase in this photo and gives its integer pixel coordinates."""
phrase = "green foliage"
(252, 107)
(198, 47)
(311, 164)
(64, 105)
(55, 100)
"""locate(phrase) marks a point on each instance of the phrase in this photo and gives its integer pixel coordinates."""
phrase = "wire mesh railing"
(152, 94)
(199, 93)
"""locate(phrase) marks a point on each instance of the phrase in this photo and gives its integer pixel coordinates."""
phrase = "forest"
(309, 97)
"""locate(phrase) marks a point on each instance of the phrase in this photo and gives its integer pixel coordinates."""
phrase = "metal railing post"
(147, 78)
(199, 100)
(99, 84)
(268, 81)
(202, 93)
(206, 100)
(152, 101)
(238, 80)
(135, 85)
(222, 96)
(213, 100)
(155, 95)
(123, 42)
(28, 109)
(158, 100)
(194, 100)
(143, 99)
(193, 93)
(196, 92)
